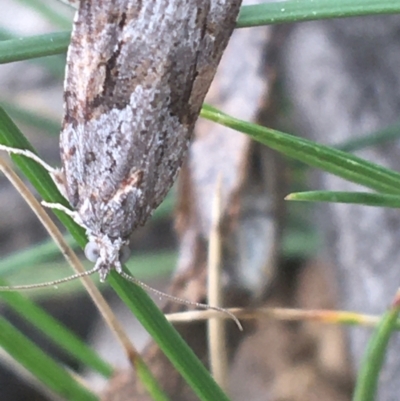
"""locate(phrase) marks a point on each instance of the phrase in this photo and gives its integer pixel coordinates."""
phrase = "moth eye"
(124, 254)
(92, 251)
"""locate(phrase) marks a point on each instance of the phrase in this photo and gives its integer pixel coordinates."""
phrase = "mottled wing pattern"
(221, 21)
(137, 74)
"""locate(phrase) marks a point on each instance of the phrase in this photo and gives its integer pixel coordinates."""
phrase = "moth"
(136, 77)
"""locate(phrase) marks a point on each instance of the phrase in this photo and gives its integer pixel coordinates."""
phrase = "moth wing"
(137, 74)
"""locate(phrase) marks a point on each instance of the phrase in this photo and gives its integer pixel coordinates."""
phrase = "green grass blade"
(5, 34)
(171, 343)
(55, 65)
(360, 198)
(279, 12)
(40, 365)
(33, 47)
(334, 161)
(147, 378)
(390, 133)
(368, 375)
(55, 331)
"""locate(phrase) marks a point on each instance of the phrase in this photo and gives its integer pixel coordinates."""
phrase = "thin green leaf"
(55, 65)
(279, 12)
(376, 138)
(334, 161)
(5, 34)
(33, 47)
(368, 375)
(40, 365)
(171, 343)
(55, 331)
(360, 198)
(147, 378)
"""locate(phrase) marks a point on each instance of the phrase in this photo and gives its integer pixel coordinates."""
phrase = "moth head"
(107, 254)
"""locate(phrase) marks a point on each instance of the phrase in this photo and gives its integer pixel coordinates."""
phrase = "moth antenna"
(181, 301)
(128, 278)
(50, 283)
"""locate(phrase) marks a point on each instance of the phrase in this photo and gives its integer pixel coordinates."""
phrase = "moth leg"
(71, 213)
(30, 155)
(56, 174)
